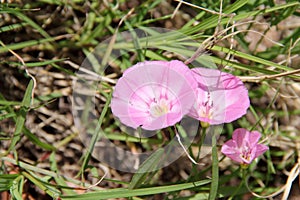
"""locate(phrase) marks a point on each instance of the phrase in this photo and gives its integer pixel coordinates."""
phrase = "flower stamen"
(159, 108)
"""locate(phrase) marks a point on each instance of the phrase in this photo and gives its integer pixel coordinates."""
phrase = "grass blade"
(21, 45)
(147, 167)
(6, 181)
(16, 189)
(251, 57)
(21, 115)
(215, 171)
(26, 19)
(95, 137)
(125, 193)
(35, 140)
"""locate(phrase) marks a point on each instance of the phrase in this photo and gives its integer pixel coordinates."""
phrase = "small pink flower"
(244, 147)
(222, 97)
(154, 94)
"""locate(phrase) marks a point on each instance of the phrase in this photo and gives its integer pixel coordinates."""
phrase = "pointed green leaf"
(16, 188)
(27, 96)
(35, 140)
(215, 171)
(21, 115)
(146, 167)
(6, 181)
(125, 193)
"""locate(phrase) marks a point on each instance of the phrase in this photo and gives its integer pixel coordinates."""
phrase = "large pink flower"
(154, 94)
(244, 147)
(221, 97)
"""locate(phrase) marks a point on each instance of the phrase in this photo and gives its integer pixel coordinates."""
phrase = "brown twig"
(26, 70)
(261, 78)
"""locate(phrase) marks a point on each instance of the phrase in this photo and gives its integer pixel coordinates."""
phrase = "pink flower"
(222, 97)
(244, 147)
(154, 94)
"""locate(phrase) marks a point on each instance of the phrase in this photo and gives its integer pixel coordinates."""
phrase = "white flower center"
(159, 108)
(246, 153)
(205, 110)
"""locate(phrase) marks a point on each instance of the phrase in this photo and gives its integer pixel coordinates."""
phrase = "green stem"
(194, 170)
(215, 170)
(240, 185)
(203, 135)
(40, 185)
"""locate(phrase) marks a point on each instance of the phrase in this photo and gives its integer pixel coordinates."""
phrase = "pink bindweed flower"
(221, 97)
(154, 94)
(244, 147)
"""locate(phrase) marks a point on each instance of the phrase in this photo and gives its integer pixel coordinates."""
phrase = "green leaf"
(125, 193)
(136, 42)
(212, 22)
(21, 115)
(49, 189)
(58, 179)
(274, 51)
(215, 171)
(97, 134)
(26, 166)
(18, 129)
(251, 57)
(153, 55)
(26, 19)
(147, 167)
(47, 98)
(242, 66)
(37, 64)
(9, 103)
(21, 45)
(124, 137)
(6, 181)
(35, 140)
(12, 27)
(7, 115)
(27, 96)
(16, 188)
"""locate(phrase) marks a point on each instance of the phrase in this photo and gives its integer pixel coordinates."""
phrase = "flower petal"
(154, 94)
(240, 135)
(228, 94)
(254, 137)
(260, 149)
(231, 150)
